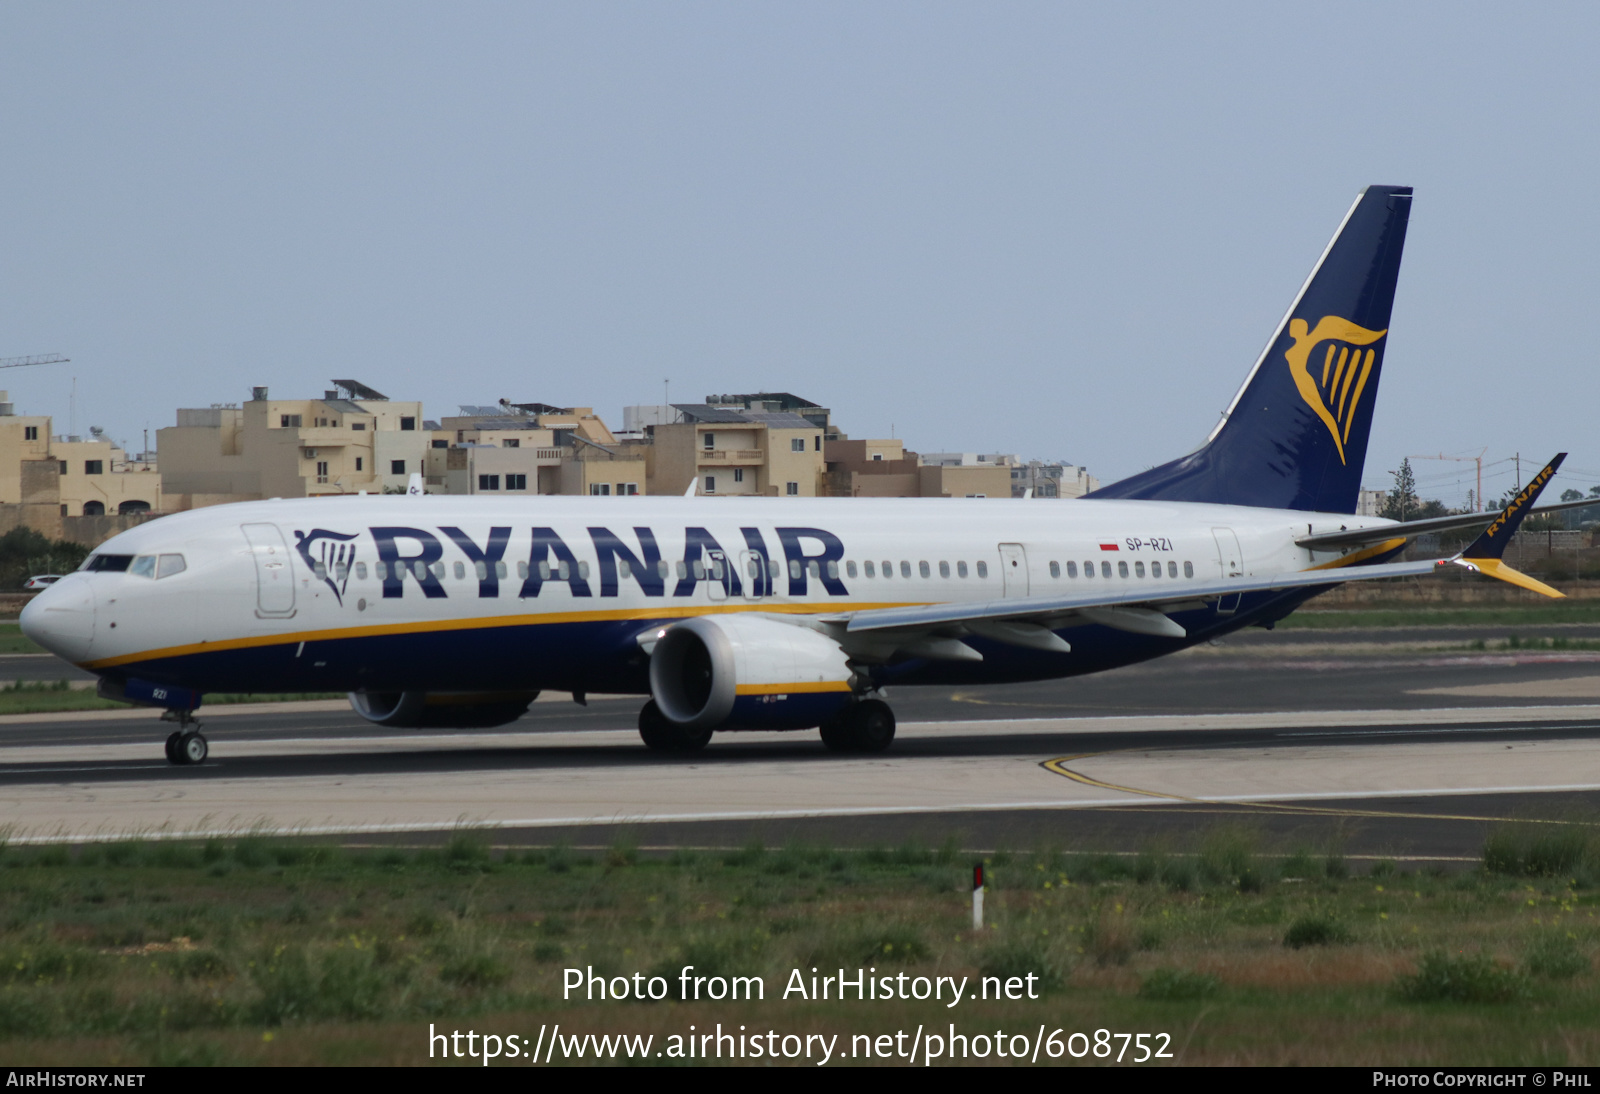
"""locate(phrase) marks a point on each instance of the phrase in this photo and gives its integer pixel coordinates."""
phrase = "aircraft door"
(753, 566)
(274, 571)
(1230, 560)
(1014, 569)
(717, 576)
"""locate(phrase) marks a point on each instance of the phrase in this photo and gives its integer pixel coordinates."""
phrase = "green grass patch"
(1574, 611)
(1460, 978)
(261, 949)
(12, 640)
(1316, 930)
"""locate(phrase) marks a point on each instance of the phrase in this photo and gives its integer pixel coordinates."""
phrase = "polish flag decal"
(1108, 547)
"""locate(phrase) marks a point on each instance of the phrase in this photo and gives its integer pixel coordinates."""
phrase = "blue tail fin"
(1295, 436)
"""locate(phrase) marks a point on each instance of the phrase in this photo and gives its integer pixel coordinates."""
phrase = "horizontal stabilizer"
(1356, 537)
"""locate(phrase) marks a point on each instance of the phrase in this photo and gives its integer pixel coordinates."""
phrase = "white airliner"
(774, 613)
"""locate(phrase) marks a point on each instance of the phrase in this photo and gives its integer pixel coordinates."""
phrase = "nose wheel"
(187, 748)
(186, 745)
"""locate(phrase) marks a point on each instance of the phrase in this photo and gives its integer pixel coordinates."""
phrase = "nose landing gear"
(186, 745)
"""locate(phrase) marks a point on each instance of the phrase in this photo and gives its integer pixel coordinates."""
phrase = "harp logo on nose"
(1331, 379)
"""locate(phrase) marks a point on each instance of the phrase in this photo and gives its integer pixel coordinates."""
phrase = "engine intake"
(748, 672)
(441, 709)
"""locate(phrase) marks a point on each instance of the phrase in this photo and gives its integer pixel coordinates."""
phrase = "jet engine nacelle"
(746, 672)
(441, 709)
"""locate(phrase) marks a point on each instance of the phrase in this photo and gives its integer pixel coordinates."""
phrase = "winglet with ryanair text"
(1484, 555)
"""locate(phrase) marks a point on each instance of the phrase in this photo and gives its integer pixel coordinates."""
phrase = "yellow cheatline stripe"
(791, 689)
(1058, 766)
(1360, 556)
(669, 611)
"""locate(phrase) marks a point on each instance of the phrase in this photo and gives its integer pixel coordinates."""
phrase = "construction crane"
(41, 359)
(1477, 502)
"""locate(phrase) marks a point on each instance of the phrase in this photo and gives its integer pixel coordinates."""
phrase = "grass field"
(12, 640)
(1413, 615)
(256, 951)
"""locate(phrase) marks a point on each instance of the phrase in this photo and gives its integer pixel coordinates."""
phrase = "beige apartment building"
(885, 469)
(69, 487)
(532, 448)
(736, 453)
(292, 448)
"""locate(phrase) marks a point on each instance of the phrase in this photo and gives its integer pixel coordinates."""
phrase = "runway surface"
(1392, 744)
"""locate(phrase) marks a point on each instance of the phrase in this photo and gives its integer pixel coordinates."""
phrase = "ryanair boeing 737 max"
(774, 613)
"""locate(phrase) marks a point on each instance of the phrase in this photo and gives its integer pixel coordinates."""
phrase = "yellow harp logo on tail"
(1344, 368)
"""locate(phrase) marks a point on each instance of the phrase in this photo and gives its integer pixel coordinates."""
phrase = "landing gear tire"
(184, 749)
(194, 749)
(866, 727)
(660, 735)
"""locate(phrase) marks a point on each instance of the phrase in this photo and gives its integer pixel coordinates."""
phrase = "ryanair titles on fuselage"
(808, 555)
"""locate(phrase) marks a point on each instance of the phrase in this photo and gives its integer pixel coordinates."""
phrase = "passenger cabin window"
(850, 569)
(1122, 569)
(1105, 569)
(870, 569)
(361, 571)
(1188, 569)
(1055, 569)
(983, 569)
(961, 569)
(888, 568)
(1172, 569)
(1072, 569)
(905, 569)
(922, 568)
(1138, 569)
(944, 569)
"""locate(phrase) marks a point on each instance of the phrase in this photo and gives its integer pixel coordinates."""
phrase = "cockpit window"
(143, 566)
(169, 565)
(115, 564)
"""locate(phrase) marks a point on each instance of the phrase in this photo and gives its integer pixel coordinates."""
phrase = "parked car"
(43, 581)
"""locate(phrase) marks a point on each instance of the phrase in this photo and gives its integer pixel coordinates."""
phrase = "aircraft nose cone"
(61, 619)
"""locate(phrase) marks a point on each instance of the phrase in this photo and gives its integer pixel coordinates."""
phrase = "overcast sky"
(1062, 230)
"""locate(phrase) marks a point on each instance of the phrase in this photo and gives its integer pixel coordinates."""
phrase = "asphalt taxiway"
(1392, 744)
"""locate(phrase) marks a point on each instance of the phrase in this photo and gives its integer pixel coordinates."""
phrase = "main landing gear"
(867, 726)
(186, 745)
(661, 735)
